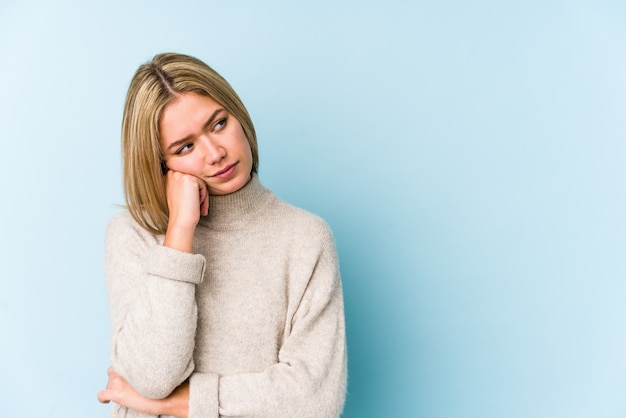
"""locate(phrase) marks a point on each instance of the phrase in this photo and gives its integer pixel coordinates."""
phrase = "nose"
(213, 151)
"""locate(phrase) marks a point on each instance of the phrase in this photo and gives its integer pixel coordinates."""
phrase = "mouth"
(225, 172)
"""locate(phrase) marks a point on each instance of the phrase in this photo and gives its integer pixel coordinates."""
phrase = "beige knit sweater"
(254, 318)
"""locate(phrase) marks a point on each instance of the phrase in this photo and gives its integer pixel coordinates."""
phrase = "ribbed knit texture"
(254, 318)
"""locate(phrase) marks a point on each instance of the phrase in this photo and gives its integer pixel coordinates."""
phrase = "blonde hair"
(153, 87)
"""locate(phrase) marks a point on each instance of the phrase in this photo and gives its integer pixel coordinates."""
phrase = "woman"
(224, 300)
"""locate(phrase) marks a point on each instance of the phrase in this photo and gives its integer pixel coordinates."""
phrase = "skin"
(120, 392)
(206, 153)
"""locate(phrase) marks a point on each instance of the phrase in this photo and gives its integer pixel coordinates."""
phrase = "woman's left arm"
(309, 379)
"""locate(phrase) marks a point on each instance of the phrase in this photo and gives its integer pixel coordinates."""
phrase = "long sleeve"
(151, 292)
(254, 320)
(309, 378)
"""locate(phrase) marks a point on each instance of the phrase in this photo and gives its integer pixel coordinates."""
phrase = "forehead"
(186, 115)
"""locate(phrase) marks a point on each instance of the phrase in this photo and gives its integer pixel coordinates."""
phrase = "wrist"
(179, 238)
(178, 402)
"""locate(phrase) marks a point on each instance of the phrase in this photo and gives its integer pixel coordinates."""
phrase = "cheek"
(248, 150)
(244, 145)
(186, 165)
(247, 153)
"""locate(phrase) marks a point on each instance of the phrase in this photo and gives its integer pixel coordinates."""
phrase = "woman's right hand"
(187, 199)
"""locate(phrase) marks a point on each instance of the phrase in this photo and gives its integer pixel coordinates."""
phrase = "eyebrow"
(181, 141)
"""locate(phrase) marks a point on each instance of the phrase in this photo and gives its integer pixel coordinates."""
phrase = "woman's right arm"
(151, 291)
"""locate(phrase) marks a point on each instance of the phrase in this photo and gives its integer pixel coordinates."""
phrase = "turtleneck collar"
(234, 209)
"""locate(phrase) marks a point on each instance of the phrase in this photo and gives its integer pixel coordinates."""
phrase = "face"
(199, 137)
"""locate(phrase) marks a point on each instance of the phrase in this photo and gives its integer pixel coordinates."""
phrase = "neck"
(232, 209)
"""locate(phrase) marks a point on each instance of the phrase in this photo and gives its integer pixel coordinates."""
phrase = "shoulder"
(298, 216)
(309, 240)
(301, 223)
(122, 227)
(120, 222)
(121, 218)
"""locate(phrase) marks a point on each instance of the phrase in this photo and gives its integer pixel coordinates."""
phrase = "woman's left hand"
(119, 391)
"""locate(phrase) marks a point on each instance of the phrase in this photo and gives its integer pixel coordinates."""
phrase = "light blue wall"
(469, 155)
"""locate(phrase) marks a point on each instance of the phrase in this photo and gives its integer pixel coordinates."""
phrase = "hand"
(119, 391)
(187, 199)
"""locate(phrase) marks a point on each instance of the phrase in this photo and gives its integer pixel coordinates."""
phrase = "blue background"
(469, 156)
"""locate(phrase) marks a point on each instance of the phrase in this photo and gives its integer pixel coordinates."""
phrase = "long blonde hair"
(154, 86)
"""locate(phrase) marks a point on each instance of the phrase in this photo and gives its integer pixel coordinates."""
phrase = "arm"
(151, 291)
(309, 378)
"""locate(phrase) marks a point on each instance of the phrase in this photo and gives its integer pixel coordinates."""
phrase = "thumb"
(104, 396)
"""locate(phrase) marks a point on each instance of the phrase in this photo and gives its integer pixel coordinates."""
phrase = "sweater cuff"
(203, 400)
(175, 265)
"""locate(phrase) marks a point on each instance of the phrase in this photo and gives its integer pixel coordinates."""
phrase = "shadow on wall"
(382, 333)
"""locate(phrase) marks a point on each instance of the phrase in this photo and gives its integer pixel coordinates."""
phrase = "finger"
(104, 397)
(204, 200)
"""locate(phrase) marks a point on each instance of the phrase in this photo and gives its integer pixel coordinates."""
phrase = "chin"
(229, 187)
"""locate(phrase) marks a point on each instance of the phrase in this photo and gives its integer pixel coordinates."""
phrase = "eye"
(184, 148)
(220, 124)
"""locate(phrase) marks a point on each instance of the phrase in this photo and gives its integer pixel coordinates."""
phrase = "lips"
(226, 171)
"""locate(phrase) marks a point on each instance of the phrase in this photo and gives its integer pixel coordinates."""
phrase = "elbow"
(327, 405)
(332, 392)
(160, 383)
(333, 401)
(152, 371)
(150, 377)
(325, 398)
